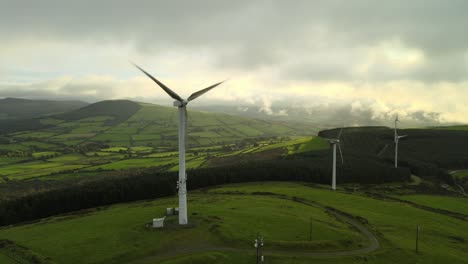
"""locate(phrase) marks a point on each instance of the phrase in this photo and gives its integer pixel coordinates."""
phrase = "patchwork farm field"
(105, 153)
(299, 223)
(49, 163)
(123, 135)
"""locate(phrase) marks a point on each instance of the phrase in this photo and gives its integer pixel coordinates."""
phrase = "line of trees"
(150, 184)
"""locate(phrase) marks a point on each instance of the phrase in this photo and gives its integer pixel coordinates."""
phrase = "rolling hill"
(123, 151)
(428, 153)
(120, 138)
(300, 223)
(15, 108)
(123, 135)
(126, 123)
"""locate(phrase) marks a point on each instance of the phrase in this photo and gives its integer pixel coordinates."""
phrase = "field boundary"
(20, 254)
(382, 197)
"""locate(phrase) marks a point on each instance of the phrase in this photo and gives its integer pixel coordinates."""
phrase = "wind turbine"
(182, 105)
(396, 139)
(334, 142)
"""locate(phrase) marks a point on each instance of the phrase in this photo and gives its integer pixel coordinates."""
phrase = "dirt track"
(372, 245)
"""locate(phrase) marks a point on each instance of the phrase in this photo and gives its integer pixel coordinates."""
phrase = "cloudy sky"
(391, 56)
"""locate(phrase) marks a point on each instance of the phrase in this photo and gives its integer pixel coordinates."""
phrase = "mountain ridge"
(18, 108)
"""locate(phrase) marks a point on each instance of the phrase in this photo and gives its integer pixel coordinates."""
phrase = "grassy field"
(11, 160)
(286, 145)
(23, 168)
(42, 154)
(13, 147)
(45, 164)
(226, 219)
(38, 170)
(68, 158)
(39, 134)
(38, 144)
(118, 234)
(149, 124)
(133, 163)
(316, 143)
(461, 174)
(444, 237)
(460, 127)
(191, 163)
(4, 259)
(450, 203)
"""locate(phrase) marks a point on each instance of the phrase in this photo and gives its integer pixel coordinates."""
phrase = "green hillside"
(458, 127)
(427, 152)
(123, 135)
(300, 224)
(126, 123)
(15, 108)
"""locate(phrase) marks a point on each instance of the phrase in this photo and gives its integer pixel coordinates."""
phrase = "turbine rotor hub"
(180, 103)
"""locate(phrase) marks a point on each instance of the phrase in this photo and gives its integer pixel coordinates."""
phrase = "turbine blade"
(164, 87)
(339, 134)
(383, 150)
(202, 91)
(341, 153)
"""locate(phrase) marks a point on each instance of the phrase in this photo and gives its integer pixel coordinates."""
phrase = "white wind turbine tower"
(396, 139)
(182, 105)
(334, 142)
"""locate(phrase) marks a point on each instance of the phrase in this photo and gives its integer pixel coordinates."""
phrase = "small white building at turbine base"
(158, 222)
(169, 211)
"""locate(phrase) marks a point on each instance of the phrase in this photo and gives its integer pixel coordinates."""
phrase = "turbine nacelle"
(180, 103)
(399, 137)
(335, 140)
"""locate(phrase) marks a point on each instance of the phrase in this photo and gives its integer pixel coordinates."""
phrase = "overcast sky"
(392, 56)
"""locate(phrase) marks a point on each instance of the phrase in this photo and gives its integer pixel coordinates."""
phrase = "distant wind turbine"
(334, 142)
(396, 139)
(182, 105)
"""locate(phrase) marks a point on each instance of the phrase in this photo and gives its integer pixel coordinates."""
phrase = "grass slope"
(118, 234)
(450, 203)
(4, 259)
(133, 130)
(424, 151)
(14, 108)
(226, 220)
(459, 127)
(443, 238)
(126, 123)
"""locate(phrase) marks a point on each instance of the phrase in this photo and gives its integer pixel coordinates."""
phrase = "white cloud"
(392, 56)
(383, 98)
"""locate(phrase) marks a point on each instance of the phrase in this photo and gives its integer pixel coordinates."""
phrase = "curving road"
(372, 245)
